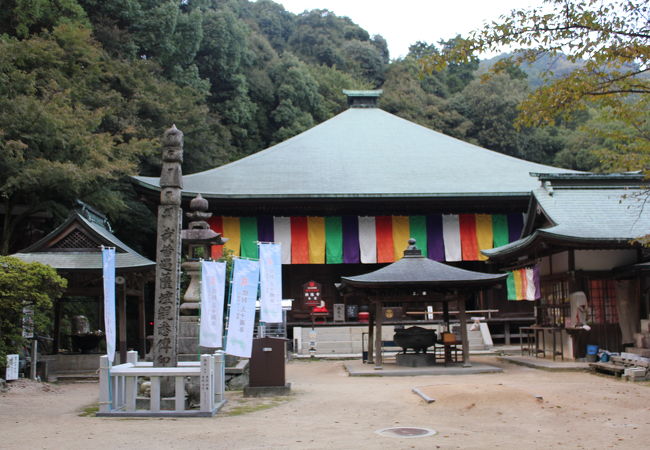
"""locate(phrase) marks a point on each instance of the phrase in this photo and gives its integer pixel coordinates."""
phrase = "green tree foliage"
(322, 38)
(419, 100)
(274, 22)
(223, 59)
(454, 76)
(299, 105)
(25, 285)
(74, 123)
(492, 107)
(610, 40)
(169, 32)
(21, 18)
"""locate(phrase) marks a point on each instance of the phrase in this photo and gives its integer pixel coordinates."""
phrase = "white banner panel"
(108, 265)
(213, 288)
(11, 371)
(270, 282)
(241, 318)
(451, 237)
(282, 234)
(367, 240)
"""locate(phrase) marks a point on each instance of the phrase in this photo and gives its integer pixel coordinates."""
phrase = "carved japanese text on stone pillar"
(168, 256)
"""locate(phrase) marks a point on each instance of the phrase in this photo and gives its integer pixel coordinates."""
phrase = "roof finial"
(412, 250)
(362, 99)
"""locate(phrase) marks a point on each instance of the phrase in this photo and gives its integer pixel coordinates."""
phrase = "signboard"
(28, 322)
(339, 312)
(11, 372)
(108, 265)
(213, 287)
(241, 319)
(270, 282)
(311, 293)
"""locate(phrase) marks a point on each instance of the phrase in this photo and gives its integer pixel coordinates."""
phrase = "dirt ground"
(329, 410)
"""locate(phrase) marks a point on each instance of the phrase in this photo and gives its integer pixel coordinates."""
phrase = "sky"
(404, 22)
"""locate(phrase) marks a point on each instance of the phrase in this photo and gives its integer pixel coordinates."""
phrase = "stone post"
(168, 255)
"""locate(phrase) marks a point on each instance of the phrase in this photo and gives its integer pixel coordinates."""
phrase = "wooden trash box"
(267, 365)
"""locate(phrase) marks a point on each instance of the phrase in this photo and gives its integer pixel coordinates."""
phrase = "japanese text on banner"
(241, 319)
(270, 282)
(108, 265)
(213, 283)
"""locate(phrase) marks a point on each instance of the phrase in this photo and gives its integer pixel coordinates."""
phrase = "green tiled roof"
(125, 257)
(366, 152)
(591, 212)
(85, 260)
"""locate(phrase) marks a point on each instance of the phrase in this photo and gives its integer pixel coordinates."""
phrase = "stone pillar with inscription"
(168, 254)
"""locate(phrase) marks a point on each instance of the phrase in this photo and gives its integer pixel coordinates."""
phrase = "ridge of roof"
(594, 215)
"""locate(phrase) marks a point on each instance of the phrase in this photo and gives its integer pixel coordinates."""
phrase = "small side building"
(74, 250)
(582, 233)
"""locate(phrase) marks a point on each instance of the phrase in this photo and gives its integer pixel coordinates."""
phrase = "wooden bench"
(617, 365)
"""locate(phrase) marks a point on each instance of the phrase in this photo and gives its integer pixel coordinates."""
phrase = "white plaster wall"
(545, 266)
(340, 339)
(603, 259)
(560, 262)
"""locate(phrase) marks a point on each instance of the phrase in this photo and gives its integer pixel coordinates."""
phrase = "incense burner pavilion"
(344, 197)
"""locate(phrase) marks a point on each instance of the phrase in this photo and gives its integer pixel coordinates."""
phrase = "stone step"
(645, 352)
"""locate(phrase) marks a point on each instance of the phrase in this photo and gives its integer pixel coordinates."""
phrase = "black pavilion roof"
(416, 270)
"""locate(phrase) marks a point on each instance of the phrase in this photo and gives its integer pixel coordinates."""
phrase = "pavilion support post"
(57, 326)
(445, 315)
(378, 323)
(142, 325)
(462, 318)
(121, 306)
(371, 339)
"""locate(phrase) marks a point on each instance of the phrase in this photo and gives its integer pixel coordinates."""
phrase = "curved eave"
(528, 244)
(440, 195)
(455, 284)
(86, 261)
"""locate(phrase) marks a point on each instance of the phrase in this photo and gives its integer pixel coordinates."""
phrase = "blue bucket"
(592, 349)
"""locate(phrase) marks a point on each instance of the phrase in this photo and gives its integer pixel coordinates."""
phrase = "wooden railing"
(118, 387)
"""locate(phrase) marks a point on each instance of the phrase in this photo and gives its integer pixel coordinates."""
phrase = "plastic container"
(592, 349)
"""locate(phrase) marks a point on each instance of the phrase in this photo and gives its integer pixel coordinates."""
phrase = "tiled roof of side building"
(589, 210)
(125, 257)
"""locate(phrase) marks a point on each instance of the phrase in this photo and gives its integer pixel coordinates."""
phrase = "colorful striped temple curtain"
(524, 284)
(373, 239)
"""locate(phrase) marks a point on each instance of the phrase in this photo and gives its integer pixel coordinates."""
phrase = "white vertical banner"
(241, 318)
(451, 237)
(108, 267)
(213, 287)
(282, 234)
(13, 364)
(270, 282)
(367, 239)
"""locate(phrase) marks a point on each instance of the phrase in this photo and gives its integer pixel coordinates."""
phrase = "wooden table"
(447, 349)
(531, 336)
(322, 315)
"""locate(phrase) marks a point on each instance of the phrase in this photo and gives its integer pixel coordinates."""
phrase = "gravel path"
(520, 408)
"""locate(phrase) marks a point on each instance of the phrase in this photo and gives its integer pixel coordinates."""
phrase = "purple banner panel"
(351, 252)
(435, 242)
(265, 229)
(515, 226)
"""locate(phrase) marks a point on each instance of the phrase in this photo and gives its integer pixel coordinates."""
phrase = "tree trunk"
(7, 227)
